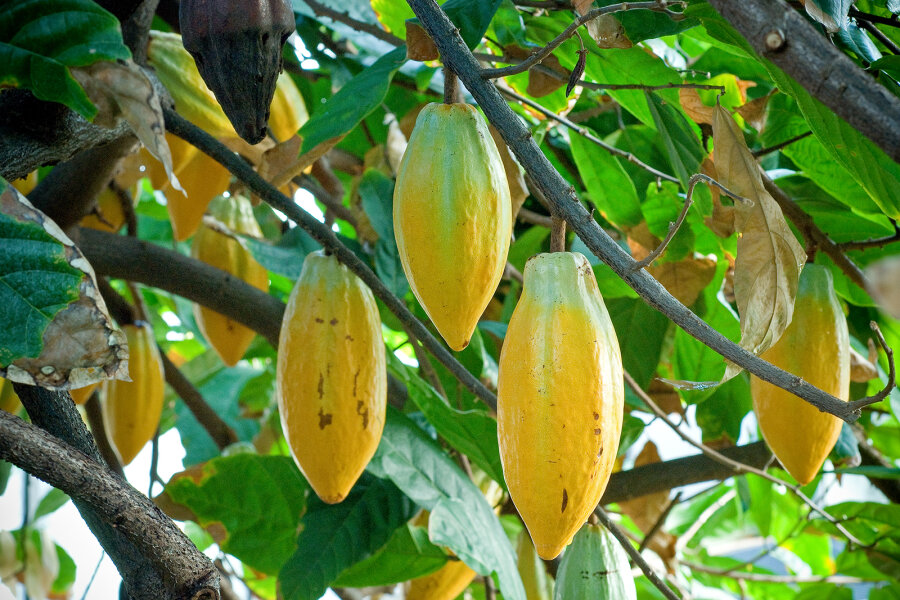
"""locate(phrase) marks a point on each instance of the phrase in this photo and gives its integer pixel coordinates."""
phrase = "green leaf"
(872, 471)
(527, 245)
(54, 500)
(353, 102)
(641, 331)
(5, 471)
(36, 283)
(376, 190)
(41, 39)
(464, 521)
(256, 500)
(285, 257)
(407, 555)
(846, 450)
(389, 268)
(720, 415)
(632, 428)
(335, 536)
(67, 571)
(608, 185)
(472, 17)
(681, 143)
(472, 432)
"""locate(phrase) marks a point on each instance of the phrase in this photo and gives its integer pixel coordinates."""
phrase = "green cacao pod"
(237, 47)
(229, 338)
(452, 217)
(560, 398)
(331, 380)
(816, 348)
(595, 566)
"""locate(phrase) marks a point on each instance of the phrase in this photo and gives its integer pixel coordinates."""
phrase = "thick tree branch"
(185, 573)
(784, 36)
(563, 200)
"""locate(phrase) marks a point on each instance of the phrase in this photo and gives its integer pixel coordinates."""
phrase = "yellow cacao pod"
(229, 338)
(26, 184)
(203, 179)
(131, 409)
(331, 381)
(177, 71)
(452, 217)
(109, 214)
(816, 348)
(288, 111)
(446, 583)
(83, 394)
(9, 400)
(559, 399)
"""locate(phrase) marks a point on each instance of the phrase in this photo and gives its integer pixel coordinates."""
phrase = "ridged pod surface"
(331, 380)
(559, 399)
(131, 409)
(452, 217)
(596, 566)
(815, 347)
(229, 338)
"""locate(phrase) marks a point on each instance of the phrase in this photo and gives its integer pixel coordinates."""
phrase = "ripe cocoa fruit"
(108, 214)
(9, 400)
(237, 47)
(331, 381)
(816, 348)
(446, 583)
(229, 338)
(131, 409)
(560, 398)
(452, 217)
(83, 394)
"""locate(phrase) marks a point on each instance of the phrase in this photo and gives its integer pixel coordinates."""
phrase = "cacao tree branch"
(785, 37)
(183, 571)
(562, 198)
(184, 129)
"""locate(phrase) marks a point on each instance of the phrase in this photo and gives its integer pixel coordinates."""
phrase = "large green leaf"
(472, 17)
(41, 39)
(461, 518)
(608, 185)
(720, 415)
(472, 432)
(286, 257)
(407, 555)
(353, 102)
(641, 331)
(681, 143)
(256, 500)
(335, 536)
(36, 282)
(376, 190)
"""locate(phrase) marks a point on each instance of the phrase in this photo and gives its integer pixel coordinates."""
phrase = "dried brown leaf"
(769, 258)
(540, 83)
(640, 241)
(693, 106)
(518, 191)
(582, 6)
(754, 112)
(884, 279)
(686, 278)
(121, 91)
(81, 346)
(861, 369)
(395, 144)
(419, 45)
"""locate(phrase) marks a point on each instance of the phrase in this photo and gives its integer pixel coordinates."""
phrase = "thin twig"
(739, 468)
(373, 30)
(244, 172)
(688, 201)
(154, 463)
(569, 32)
(862, 16)
(872, 243)
(90, 582)
(489, 592)
(586, 134)
(635, 555)
(529, 216)
(892, 374)
(762, 577)
(782, 145)
(660, 520)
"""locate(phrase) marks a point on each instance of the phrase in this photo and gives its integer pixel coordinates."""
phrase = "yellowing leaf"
(693, 106)
(769, 258)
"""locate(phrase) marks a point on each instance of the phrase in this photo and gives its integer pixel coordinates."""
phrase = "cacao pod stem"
(237, 47)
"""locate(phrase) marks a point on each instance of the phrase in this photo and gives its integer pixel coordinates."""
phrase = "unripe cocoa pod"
(452, 217)
(131, 409)
(816, 348)
(331, 381)
(560, 397)
(596, 566)
(237, 47)
(229, 338)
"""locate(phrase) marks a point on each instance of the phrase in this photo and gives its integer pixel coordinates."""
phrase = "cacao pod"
(131, 409)
(108, 215)
(9, 400)
(560, 398)
(237, 47)
(288, 111)
(229, 338)
(203, 179)
(596, 566)
(331, 381)
(26, 184)
(537, 584)
(83, 394)
(446, 583)
(452, 217)
(177, 72)
(816, 348)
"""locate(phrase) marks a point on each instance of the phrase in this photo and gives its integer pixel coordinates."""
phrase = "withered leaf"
(884, 284)
(769, 258)
(395, 144)
(518, 190)
(861, 369)
(582, 6)
(541, 83)
(122, 91)
(419, 45)
(686, 278)
(80, 344)
(754, 112)
(693, 106)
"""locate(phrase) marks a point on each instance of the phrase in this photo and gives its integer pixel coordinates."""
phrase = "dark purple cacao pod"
(237, 47)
